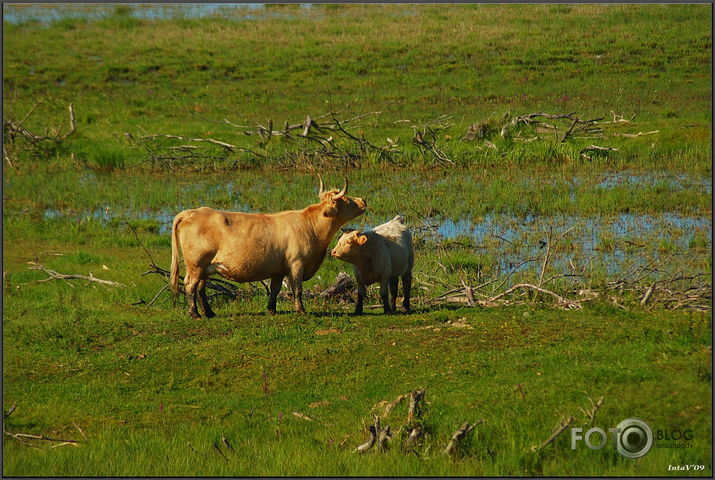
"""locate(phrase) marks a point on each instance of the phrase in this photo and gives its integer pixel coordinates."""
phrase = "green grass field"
(146, 390)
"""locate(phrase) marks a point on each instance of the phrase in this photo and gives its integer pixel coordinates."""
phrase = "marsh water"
(48, 13)
(609, 243)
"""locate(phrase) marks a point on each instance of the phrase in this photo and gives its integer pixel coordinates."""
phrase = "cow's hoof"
(272, 311)
(210, 314)
(195, 315)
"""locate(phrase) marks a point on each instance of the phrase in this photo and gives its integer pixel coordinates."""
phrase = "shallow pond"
(48, 13)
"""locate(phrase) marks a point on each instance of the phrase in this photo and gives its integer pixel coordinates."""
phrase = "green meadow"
(430, 99)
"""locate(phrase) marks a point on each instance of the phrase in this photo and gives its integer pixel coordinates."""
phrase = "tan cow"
(247, 247)
(383, 255)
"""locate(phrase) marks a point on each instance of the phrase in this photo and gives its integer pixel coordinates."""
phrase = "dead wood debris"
(324, 136)
(591, 414)
(342, 289)
(14, 129)
(29, 436)
(563, 425)
(415, 410)
(378, 436)
(459, 436)
(653, 280)
(53, 275)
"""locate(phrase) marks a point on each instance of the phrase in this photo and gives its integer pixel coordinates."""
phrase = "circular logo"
(635, 438)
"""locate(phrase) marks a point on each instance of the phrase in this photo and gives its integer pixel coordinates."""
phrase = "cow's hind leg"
(276, 283)
(384, 294)
(406, 287)
(393, 292)
(204, 301)
(191, 284)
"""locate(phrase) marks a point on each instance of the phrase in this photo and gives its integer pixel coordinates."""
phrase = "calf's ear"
(362, 239)
(347, 229)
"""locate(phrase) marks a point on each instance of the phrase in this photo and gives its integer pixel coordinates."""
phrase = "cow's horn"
(342, 192)
(321, 185)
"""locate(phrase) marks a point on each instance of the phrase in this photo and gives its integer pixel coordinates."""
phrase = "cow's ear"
(330, 211)
(362, 239)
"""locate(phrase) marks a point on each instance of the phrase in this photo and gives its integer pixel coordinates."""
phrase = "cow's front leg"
(384, 290)
(362, 293)
(276, 283)
(297, 285)
(204, 301)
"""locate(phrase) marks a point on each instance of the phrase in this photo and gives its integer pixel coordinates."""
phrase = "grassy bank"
(148, 391)
(150, 387)
(475, 63)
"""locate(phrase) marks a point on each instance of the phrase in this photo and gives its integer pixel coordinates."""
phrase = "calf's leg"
(204, 301)
(384, 287)
(362, 292)
(393, 292)
(406, 287)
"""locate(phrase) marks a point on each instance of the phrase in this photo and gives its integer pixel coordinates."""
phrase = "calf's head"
(348, 247)
(338, 205)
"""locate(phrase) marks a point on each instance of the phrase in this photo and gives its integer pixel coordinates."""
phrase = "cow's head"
(338, 205)
(348, 247)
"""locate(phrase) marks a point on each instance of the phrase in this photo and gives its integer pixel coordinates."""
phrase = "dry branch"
(9, 411)
(634, 135)
(53, 275)
(302, 416)
(562, 302)
(414, 435)
(370, 442)
(459, 436)
(39, 437)
(218, 449)
(341, 289)
(559, 430)
(12, 127)
(225, 145)
(388, 406)
(415, 411)
(321, 130)
(591, 414)
(597, 148)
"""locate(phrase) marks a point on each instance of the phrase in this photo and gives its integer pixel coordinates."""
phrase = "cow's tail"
(174, 278)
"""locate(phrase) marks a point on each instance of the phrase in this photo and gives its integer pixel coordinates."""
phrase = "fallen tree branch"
(591, 414)
(370, 442)
(564, 302)
(458, 436)
(342, 288)
(53, 275)
(39, 437)
(9, 411)
(415, 411)
(559, 430)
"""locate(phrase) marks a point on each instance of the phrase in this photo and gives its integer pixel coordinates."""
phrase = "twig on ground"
(53, 275)
(459, 435)
(559, 430)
